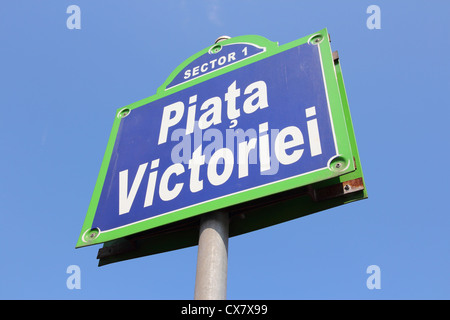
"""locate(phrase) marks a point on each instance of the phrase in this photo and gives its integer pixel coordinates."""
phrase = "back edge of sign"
(255, 214)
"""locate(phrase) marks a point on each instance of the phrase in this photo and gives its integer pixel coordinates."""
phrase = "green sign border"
(342, 126)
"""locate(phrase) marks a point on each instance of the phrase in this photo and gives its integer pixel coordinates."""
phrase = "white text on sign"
(286, 146)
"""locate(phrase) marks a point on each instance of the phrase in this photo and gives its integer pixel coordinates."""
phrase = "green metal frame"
(295, 197)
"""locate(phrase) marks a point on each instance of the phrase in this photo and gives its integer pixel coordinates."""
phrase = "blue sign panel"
(255, 126)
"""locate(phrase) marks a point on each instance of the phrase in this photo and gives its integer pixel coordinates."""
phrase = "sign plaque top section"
(238, 121)
(217, 59)
(218, 56)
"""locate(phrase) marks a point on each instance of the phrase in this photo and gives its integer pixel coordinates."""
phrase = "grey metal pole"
(212, 258)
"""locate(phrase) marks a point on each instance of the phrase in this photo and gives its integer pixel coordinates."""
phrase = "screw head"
(123, 113)
(222, 38)
(91, 234)
(316, 39)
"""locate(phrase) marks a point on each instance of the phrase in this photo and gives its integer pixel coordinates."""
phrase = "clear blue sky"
(59, 90)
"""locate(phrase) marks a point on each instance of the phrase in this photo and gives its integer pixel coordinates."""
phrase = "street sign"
(237, 124)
